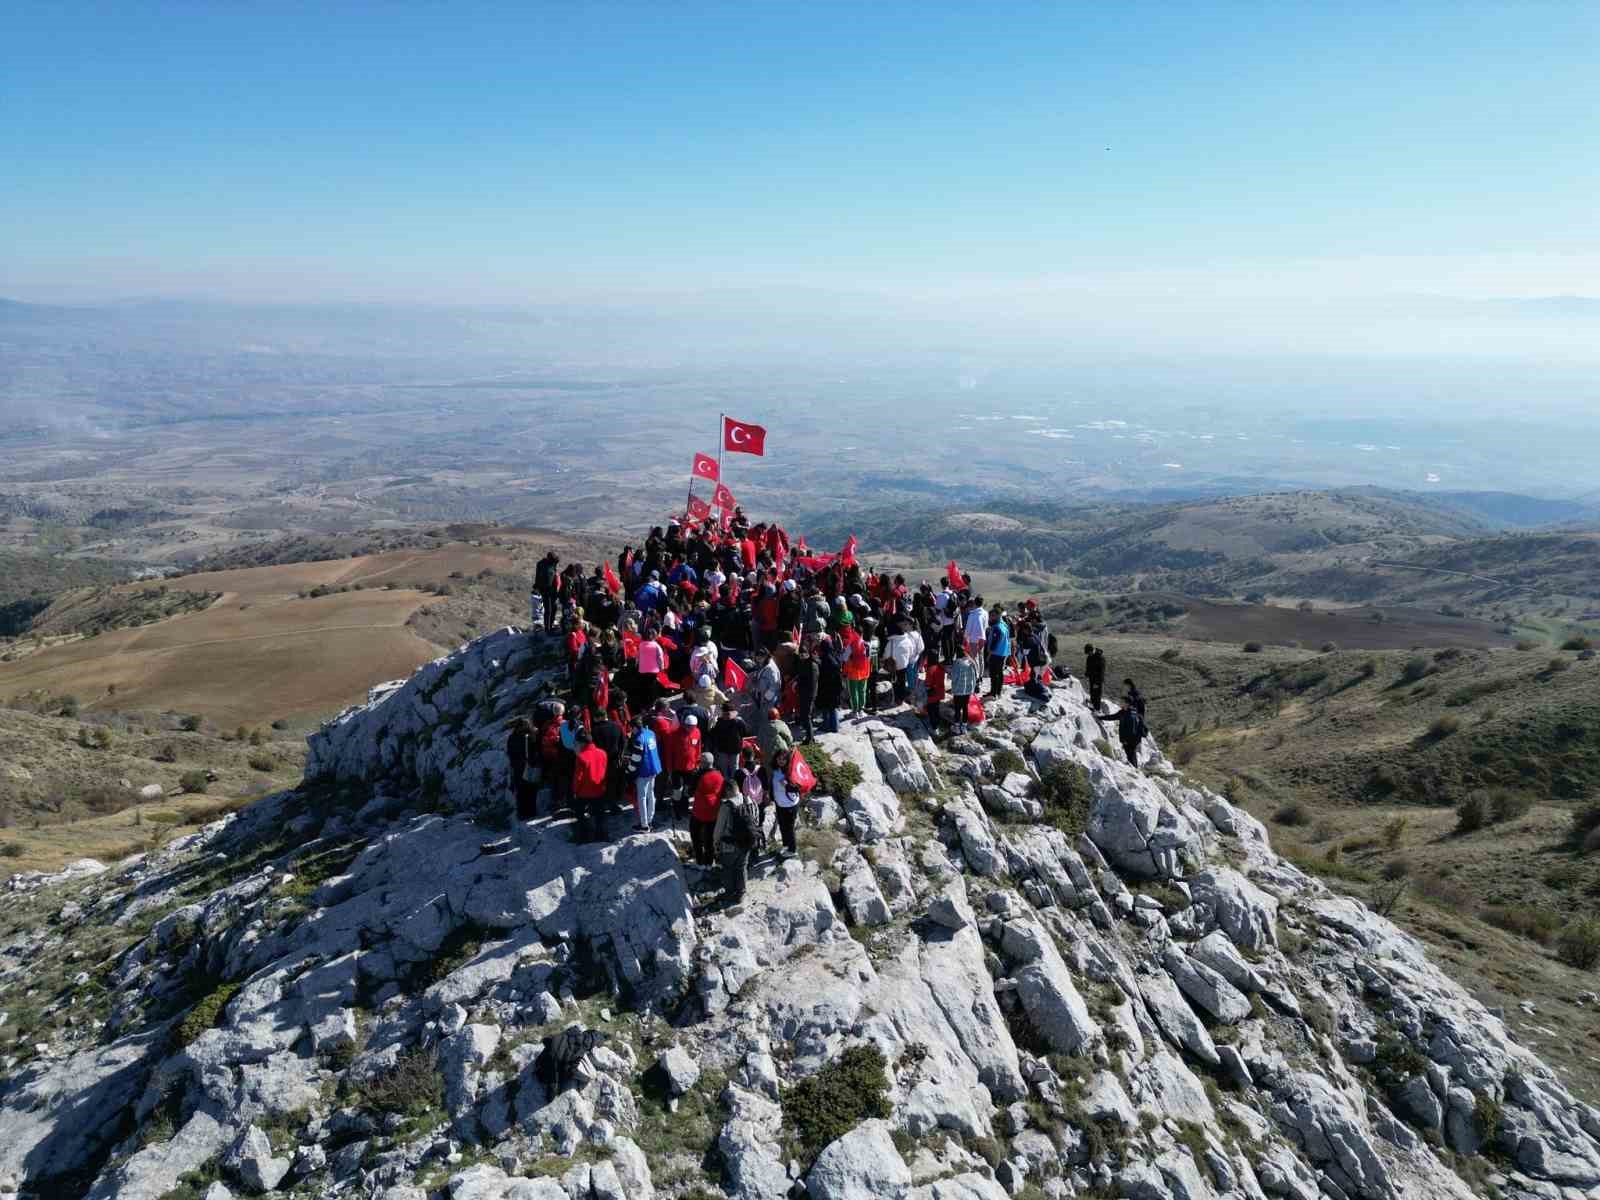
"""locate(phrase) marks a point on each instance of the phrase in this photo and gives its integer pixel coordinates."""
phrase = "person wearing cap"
(686, 763)
(707, 798)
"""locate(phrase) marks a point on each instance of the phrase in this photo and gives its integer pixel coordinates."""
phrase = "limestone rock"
(861, 1165)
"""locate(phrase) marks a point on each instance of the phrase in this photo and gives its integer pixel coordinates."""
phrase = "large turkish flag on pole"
(740, 437)
(723, 498)
(705, 467)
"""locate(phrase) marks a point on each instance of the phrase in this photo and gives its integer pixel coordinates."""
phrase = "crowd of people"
(701, 661)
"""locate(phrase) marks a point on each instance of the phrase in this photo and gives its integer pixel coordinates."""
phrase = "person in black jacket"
(611, 737)
(544, 582)
(830, 682)
(1094, 671)
(521, 750)
(727, 739)
(806, 675)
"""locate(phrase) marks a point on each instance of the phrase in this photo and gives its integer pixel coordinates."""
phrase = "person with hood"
(963, 679)
(644, 759)
(706, 695)
(707, 800)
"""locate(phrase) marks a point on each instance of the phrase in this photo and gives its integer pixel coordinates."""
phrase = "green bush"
(190, 723)
(1584, 823)
(834, 778)
(1577, 643)
(262, 762)
(411, 1088)
(1443, 727)
(831, 1103)
(1252, 647)
(1579, 943)
(1007, 761)
(194, 782)
(1472, 813)
(206, 1014)
(1292, 814)
(13, 850)
(69, 706)
(1524, 920)
(1063, 788)
(1506, 805)
(1414, 670)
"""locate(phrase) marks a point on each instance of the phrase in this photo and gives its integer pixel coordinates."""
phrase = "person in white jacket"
(703, 659)
(977, 632)
(786, 803)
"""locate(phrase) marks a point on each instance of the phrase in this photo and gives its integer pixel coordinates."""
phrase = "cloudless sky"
(462, 151)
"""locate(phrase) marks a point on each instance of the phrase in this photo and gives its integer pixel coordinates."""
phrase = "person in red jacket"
(589, 786)
(703, 814)
(685, 766)
(934, 678)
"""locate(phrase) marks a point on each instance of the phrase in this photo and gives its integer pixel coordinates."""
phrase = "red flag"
(741, 438)
(722, 497)
(847, 556)
(705, 467)
(613, 584)
(698, 508)
(953, 574)
(732, 677)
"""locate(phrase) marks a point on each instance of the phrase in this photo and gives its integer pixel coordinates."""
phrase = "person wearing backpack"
(1038, 659)
(963, 679)
(1131, 729)
(735, 837)
(545, 576)
(644, 762)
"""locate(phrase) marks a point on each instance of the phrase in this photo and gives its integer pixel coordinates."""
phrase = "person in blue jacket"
(998, 649)
(644, 760)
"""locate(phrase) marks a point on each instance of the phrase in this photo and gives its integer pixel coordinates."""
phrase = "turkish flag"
(613, 584)
(698, 508)
(723, 498)
(741, 438)
(953, 574)
(705, 467)
(732, 677)
(847, 556)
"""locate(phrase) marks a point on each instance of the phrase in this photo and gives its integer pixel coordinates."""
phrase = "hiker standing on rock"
(735, 837)
(645, 763)
(1131, 728)
(933, 688)
(611, 735)
(704, 811)
(545, 576)
(806, 671)
(589, 786)
(999, 649)
(727, 739)
(785, 802)
(1094, 671)
(963, 677)
(830, 682)
(521, 748)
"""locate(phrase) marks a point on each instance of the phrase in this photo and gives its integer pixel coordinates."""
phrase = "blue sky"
(497, 153)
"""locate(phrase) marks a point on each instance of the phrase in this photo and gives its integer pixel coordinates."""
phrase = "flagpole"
(722, 428)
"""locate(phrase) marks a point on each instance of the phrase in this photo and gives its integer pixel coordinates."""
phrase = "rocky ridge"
(1105, 986)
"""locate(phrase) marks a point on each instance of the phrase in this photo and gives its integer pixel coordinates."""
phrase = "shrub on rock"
(829, 1104)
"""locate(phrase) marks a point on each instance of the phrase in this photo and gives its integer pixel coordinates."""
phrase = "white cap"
(691, 720)
(704, 681)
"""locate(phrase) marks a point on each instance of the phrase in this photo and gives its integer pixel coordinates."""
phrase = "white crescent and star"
(738, 435)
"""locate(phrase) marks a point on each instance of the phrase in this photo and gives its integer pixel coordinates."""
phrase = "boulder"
(251, 1161)
(862, 1165)
(1204, 987)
